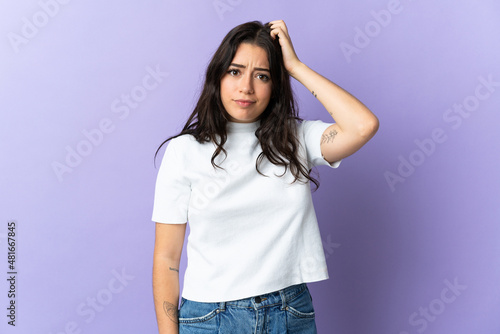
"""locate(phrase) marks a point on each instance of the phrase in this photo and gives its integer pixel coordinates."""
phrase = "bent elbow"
(369, 127)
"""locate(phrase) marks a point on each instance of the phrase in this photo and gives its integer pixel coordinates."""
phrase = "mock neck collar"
(234, 127)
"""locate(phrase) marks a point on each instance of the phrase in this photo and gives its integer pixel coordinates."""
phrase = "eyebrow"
(256, 68)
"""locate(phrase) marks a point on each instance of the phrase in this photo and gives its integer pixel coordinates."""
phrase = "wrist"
(297, 69)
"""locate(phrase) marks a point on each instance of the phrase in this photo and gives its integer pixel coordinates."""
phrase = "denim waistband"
(268, 299)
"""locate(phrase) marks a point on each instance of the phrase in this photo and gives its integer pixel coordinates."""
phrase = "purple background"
(389, 249)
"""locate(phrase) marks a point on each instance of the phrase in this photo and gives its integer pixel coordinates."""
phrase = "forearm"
(351, 116)
(166, 294)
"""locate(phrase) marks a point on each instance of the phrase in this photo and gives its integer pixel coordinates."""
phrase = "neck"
(233, 127)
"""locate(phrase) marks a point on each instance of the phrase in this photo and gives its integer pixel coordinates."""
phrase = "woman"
(239, 173)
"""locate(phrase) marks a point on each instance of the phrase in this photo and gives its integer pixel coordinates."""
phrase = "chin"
(243, 119)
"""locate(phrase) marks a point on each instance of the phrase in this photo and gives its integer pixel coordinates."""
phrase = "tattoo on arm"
(315, 95)
(328, 138)
(174, 269)
(171, 311)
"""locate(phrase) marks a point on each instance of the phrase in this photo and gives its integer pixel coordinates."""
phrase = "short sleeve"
(312, 132)
(173, 190)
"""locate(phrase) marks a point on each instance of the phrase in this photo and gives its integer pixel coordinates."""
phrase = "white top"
(249, 234)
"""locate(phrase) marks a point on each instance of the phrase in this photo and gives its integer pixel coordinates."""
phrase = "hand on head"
(290, 59)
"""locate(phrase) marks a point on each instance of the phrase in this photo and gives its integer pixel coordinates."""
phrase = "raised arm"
(167, 254)
(354, 124)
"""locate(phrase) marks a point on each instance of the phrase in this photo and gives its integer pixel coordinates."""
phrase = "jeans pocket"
(192, 312)
(301, 305)
(300, 314)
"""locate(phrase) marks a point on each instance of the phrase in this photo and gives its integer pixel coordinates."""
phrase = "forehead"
(251, 54)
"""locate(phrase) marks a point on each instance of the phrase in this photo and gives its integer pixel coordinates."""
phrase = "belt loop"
(283, 299)
(222, 306)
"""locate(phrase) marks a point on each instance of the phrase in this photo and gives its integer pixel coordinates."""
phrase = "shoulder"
(183, 140)
(307, 128)
(182, 143)
(187, 149)
(176, 146)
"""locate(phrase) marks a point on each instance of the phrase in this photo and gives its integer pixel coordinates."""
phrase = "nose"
(246, 84)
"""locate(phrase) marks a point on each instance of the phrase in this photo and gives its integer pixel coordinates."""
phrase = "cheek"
(225, 89)
(266, 93)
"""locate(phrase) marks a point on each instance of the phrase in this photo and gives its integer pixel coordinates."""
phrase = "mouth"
(244, 103)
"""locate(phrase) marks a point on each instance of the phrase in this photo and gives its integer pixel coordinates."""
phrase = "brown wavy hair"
(277, 132)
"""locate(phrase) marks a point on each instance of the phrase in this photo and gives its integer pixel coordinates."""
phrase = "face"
(246, 87)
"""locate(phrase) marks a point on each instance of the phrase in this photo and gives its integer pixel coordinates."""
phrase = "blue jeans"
(289, 310)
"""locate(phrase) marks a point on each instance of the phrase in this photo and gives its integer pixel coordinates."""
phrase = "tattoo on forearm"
(315, 95)
(171, 311)
(174, 269)
(328, 138)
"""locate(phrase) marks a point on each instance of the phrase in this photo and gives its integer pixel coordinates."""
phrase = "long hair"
(277, 132)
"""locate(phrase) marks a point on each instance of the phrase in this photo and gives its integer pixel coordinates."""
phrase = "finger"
(275, 32)
(281, 22)
(278, 23)
(278, 31)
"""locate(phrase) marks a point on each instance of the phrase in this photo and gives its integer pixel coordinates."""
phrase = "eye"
(263, 77)
(233, 72)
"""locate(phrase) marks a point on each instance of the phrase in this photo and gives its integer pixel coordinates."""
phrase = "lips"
(244, 103)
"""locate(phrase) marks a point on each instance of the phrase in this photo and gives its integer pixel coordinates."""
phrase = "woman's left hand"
(290, 59)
